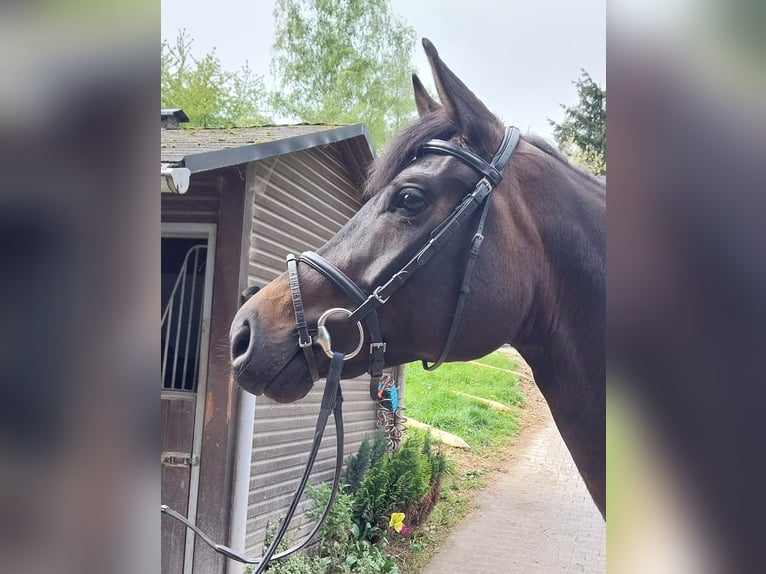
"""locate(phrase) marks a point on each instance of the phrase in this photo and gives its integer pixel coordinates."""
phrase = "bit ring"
(323, 335)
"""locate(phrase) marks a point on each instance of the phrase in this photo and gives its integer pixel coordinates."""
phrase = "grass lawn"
(428, 398)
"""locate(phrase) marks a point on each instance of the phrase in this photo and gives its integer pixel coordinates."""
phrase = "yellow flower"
(396, 521)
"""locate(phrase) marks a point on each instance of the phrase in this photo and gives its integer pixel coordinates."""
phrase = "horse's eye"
(411, 200)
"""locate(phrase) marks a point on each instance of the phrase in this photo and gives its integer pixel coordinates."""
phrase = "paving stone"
(536, 518)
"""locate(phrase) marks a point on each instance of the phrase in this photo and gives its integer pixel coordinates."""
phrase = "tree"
(582, 134)
(210, 95)
(344, 61)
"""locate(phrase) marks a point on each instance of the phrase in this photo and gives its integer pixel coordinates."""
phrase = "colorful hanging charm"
(390, 417)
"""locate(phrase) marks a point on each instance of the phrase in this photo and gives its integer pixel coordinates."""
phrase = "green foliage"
(343, 545)
(271, 532)
(353, 537)
(379, 446)
(411, 471)
(210, 95)
(397, 480)
(366, 552)
(375, 495)
(297, 563)
(335, 532)
(357, 466)
(440, 463)
(430, 399)
(294, 564)
(417, 511)
(582, 134)
(344, 61)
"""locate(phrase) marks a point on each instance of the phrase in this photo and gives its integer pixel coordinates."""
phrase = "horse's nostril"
(240, 343)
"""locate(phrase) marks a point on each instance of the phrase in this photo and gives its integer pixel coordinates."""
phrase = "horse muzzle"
(267, 360)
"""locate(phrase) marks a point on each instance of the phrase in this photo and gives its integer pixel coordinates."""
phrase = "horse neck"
(563, 335)
(567, 210)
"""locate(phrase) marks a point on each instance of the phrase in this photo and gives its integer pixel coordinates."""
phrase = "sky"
(519, 57)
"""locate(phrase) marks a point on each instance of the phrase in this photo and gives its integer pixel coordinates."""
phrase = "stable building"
(234, 203)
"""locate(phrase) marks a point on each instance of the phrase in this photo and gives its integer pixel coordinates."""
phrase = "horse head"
(407, 195)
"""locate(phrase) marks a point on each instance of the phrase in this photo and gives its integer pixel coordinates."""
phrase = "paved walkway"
(535, 518)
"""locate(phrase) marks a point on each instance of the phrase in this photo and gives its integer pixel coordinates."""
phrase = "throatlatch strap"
(465, 289)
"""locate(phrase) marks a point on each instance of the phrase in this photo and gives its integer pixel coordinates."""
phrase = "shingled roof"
(211, 148)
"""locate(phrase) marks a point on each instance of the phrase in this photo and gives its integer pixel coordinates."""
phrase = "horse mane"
(547, 147)
(402, 149)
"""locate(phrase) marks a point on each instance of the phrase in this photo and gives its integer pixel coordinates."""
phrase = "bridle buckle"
(381, 346)
(378, 298)
(304, 344)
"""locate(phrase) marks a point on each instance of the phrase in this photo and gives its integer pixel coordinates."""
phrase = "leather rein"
(366, 312)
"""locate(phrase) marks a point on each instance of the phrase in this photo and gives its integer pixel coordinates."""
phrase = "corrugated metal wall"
(301, 200)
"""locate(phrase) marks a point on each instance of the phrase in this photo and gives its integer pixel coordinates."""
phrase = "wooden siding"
(301, 200)
(198, 205)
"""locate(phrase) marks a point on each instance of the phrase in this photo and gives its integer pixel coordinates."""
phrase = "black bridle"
(366, 312)
(367, 305)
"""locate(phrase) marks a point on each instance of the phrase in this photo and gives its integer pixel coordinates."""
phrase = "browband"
(492, 171)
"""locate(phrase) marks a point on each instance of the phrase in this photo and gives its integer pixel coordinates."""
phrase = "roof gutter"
(174, 179)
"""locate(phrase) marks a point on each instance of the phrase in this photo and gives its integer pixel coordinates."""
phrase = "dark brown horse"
(539, 283)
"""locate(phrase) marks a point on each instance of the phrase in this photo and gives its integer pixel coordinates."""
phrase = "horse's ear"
(480, 126)
(423, 101)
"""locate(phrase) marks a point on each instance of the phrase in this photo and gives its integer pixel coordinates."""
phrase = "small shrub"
(343, 546)
(420, 511)
(379, 446)
(411, 472)
(335, 533)
(397, 480)
(366, 556)
(440, 464)
(374, 496)
(297, 563)
(271, 532)
(368, 455)
(357, 466)
(353, 538)
(417, 509)
(369, 559)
